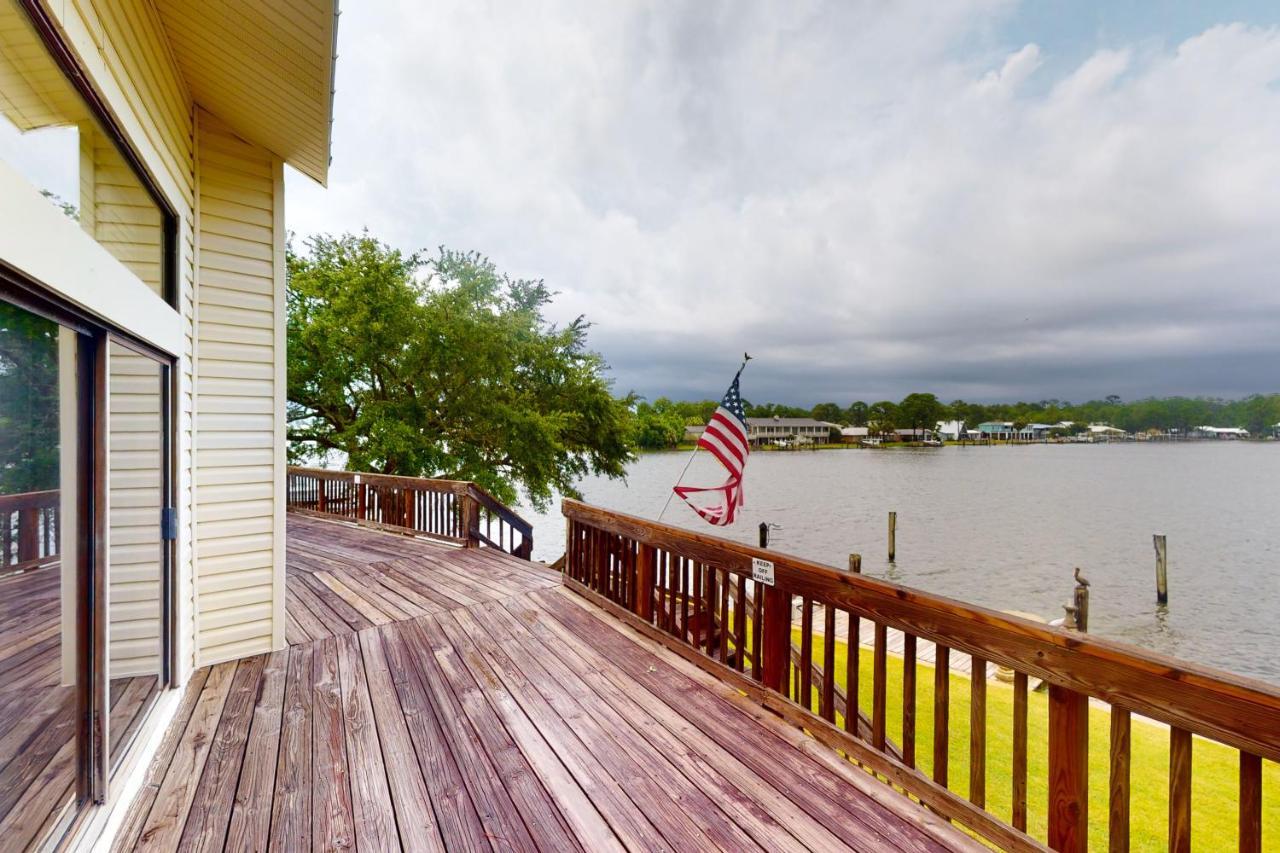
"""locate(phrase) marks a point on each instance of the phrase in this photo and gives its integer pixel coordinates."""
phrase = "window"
(56, 134)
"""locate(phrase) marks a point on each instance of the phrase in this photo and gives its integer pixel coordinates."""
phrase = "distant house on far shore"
(997, 430)
(1102, 431)
(787, 430)
(854, 435)
(1223, 433)
(1035, 432)
(951, 430)
(693, 433)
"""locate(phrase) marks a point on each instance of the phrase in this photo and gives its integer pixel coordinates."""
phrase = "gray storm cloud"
(872, 200)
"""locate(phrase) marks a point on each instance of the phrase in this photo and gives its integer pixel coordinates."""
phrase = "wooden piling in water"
(764, 534)
(1081, 601)
(1162, 569)
(893, 535)
(855, 563)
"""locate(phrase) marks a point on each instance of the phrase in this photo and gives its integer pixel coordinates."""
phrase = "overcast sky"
(985, 200)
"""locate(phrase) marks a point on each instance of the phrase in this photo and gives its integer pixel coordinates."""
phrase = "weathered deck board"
(524, 719)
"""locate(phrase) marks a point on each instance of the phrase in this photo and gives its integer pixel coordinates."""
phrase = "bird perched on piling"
(1080, 579)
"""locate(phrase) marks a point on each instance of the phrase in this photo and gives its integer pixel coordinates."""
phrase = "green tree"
(827, 412)
(856, 414)
(29, 411)
(444, 367)
(659, 425)
(882, 417)
(921, 411)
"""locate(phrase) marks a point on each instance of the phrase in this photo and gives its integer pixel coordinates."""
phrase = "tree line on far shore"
(662, 423)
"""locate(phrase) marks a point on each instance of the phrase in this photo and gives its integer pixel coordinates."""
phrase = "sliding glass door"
(86, 546)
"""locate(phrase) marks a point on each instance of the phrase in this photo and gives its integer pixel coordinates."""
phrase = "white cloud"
(872, 198)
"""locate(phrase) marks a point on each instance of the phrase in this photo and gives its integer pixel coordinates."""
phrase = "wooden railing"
(28, 530)
(448, 510)
(696, 594)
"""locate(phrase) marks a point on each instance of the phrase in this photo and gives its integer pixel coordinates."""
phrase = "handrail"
(665, 579)
(28, 529)
(447, 510)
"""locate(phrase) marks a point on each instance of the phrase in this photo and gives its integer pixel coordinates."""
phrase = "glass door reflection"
(43, 670)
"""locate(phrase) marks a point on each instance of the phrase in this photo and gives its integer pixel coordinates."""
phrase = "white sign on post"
(762, 571)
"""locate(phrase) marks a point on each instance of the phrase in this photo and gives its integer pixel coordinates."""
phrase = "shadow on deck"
(434, 697)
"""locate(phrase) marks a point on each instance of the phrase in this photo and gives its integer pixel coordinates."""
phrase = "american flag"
(725, 438)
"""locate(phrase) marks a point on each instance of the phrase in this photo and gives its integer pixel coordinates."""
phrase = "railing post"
(1069, 749)
(775, 639)
(321, 500)
(28, 534)
(409, 497)
(471, 521)
(361, 501)
(644, 582)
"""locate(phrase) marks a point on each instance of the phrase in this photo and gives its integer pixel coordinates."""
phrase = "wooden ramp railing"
(696, 594)
(28, 530)
(454, 511)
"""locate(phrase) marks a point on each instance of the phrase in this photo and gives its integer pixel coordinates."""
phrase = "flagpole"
(685, 469)
(671, 494)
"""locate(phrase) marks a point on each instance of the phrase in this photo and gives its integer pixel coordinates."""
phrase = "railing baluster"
(1020, 751)
(684, 598)
(879, 687)
(852, 666)
(709, 608)
(757, 632)
(941, 712)
(978, 732)
(805, 687)
(827, 701)
(722, 626)
(909, 699)
(740, 624)
(1118, 811)
(1068, 769)
(644, 582)
(1250, 803)
(1179, 790)
(664, 590)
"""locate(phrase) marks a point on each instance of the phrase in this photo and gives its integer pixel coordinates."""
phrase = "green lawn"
(1214, 767)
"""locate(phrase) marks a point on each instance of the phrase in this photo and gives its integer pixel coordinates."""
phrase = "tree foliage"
(29, 407)
(1259, 413)
(444, 367)
(921, 411)
(829, 412)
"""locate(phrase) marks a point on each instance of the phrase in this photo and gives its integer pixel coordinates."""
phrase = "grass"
(1215, 768)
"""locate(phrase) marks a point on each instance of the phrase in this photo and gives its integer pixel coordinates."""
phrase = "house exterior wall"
(237, 605)
(240, 466)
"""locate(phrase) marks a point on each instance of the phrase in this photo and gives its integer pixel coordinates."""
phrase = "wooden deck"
(442, 698)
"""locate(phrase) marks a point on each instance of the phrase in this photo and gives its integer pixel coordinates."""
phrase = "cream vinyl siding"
(239, 404)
